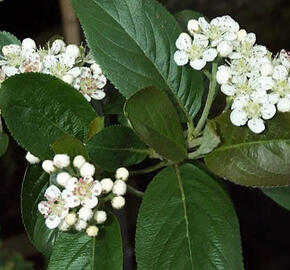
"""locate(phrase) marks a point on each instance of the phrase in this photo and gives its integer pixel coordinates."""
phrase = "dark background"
(264, 225)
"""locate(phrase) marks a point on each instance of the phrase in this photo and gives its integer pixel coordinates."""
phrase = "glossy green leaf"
(115, 147)
(187, 221)
(96, 126)
(78, 251)
(156, 122)
(70, 146)
(38, 109)
(184, 16)
(114, 103)
(280, 195)
(33, 187)
(134, 42)
(4, 141)
(7, 39)
(252, 159)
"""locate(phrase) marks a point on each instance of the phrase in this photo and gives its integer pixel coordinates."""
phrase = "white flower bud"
(118, 202)
(87, 169)
(48, 166)
(62, 178)
(92, 231)
(283, 105)
(80, 225)
(63, 226)
(61, 160)
(193, 26)
(28, 44)
(225, 48)
(79, 161)
(73, 50)
(122, 174)
(68, 78)
(107, 185)
(119, 187)
(31, 158)
(57, 46)
(85, 213)
(267, 69)
(223, 75)
(71, 219)
(241, 34)
(100, 217)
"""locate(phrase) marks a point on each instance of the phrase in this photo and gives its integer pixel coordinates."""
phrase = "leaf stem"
(209, 101)
(151, 169)
(135, 192)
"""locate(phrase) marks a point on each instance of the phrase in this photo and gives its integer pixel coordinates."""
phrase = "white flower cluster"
(257, 84)
(67, 62)
(76, 199)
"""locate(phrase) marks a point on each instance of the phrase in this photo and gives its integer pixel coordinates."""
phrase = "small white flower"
(48, 166)
(58, 46)
(79, 161)
(223, 74)
(92, 231)
(107, 185)
(122, 174)
(11, 49)
(85, 213)
(87, 169)
(100, 217)
(284, 105)
(225, 48)
(285, 58)
(256, 125)
(31, 158)
(80, 225)
(280, 73)
(118, 202)
(61, 161)
(73, 50)
(62, 178)
(71, 219)
(119, 187)
(63, 226)
(193, 27)
(28, 44)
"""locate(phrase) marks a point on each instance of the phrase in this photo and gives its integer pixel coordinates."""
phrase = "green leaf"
(250, 159)
(38, 109)
(115, 147)
(280, 195)
(7, 39)
(96, 126)
(4, 141)
(78, 251)
(134, 42)
(184, 16)
(71, 146)
(114, 104)
(187, 221)
(155, 120)
(34, 185)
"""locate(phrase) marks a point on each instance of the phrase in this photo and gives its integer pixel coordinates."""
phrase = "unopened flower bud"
(122, 174)
(193, 26)
(118, 202)
(61, 160)
(225, 48)
(28, 44)
(92, 231)
(85, 213)
(80, 225)
(283, 105)
(119, 187)
(57, 46)
(73, 50)
(68, 78)
(71, 219)
(63, 226)
(31, 158)
(48, 166)
(79, 161)
(87, 170)
(241, 34)
(100, 217)
(62, 178)
(107, 185)
(223, 75)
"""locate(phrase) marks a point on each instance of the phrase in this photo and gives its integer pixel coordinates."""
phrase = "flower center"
(195, 52)
(58, 70)
(282, 88)
(88, 85)
(83, 189)
(253, 110)
(57, 207)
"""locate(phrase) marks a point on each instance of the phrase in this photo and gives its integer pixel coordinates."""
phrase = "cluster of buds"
(75, 201)
(67, 62)
(256, 83)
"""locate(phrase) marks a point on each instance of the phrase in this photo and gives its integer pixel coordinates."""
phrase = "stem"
(195, 142)
(150, 169)
(135, 192)
(207, 74)
(209, 101)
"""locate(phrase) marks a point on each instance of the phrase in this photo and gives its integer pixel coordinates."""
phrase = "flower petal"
(198, 64)
(268, 110)
(52, 221)
(97, 188)
(181, 58)
(71, 184)
(256, 125)
(90, 202)
(98, 95)
(183, 42)
(209, 55)
(280, 73)
(238, 117)
(52, 193)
